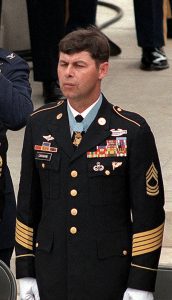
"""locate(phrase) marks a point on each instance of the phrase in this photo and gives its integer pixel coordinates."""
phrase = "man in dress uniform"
(15, 106)
(90, 205)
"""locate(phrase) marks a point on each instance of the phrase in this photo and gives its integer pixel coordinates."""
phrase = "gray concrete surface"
(148, 93)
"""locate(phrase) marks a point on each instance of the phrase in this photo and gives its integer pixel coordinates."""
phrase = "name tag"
(43, 156)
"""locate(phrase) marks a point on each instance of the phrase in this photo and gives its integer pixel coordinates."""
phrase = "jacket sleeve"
(147, 200)
(3, 162)
(29, 207)
(15, 94)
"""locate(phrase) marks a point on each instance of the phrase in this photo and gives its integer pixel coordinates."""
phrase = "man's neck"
(82, 105)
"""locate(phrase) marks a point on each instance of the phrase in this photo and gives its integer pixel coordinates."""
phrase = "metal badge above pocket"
(103, 166)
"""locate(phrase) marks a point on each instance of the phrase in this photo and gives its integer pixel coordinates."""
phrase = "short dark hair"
(90, 39)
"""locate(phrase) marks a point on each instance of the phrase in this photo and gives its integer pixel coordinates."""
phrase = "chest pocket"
(107, 177)
(48, 165)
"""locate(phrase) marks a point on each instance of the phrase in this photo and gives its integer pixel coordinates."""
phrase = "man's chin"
(69, 95)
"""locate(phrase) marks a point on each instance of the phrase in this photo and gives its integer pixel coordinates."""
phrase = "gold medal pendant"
(77, 138)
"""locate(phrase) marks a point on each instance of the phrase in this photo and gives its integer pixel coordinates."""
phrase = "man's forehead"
(83, 55)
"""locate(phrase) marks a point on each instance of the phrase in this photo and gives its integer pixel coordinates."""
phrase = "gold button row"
(73, 193)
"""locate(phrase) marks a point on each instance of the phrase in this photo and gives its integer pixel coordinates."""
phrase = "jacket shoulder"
(9, 56)
(47, 108)
(129, 116)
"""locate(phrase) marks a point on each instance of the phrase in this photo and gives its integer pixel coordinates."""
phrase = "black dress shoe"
(52, 91)
(153, 59)
(114, 48)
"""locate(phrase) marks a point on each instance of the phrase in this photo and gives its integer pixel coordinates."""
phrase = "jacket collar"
(98, 131)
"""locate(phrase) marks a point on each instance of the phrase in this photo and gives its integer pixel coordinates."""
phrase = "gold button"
(102, 121)
(74, 211)
(119, 109)
(43, 166)
(125, 252)
(1, 161)
(37, 244)
(107, 172)
(73, 193)
(73, 230)
(60, 102)
(74, 173)
(59, 116)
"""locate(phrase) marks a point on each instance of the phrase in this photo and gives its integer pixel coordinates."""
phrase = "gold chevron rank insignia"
(152, 185)
(24, 235)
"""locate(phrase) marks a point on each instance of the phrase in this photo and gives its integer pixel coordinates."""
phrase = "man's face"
(79, 76)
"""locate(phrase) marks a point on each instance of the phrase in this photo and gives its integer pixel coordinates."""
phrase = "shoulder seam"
(48, 108)
(125, 117)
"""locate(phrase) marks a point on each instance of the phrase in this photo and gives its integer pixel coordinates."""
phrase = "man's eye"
(80, 66)
(63, 64)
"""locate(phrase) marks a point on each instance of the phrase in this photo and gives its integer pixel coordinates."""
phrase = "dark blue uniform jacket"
(89, 221)
(15, 106)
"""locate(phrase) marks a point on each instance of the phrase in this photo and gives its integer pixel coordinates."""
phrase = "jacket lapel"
(60, 129)
(95, 135)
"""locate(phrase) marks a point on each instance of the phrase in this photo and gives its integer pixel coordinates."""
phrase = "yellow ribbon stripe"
(147, 241)
(24, 235)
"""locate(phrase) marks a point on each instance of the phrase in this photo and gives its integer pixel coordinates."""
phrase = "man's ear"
(103, 69)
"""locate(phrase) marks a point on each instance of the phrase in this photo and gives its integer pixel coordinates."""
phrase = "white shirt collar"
(85, 112)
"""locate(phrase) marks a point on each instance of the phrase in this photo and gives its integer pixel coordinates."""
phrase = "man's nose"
(69, 71)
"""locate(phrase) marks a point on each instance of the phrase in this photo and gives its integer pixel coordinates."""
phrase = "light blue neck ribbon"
(83, 126)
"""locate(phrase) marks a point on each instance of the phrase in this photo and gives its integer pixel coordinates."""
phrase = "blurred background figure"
(48, 23)
(150, 35)
(167, 19)
(15, 107)
(47, 27)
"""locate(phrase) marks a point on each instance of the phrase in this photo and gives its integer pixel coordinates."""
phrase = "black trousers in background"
(149, 22)
(47, 27)
(82, 13)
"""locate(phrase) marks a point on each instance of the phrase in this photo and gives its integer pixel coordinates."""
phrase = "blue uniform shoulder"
(9, 56)
(129, 116)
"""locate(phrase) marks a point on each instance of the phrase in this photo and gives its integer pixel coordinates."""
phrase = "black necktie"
(79, 118)
(77, 136)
